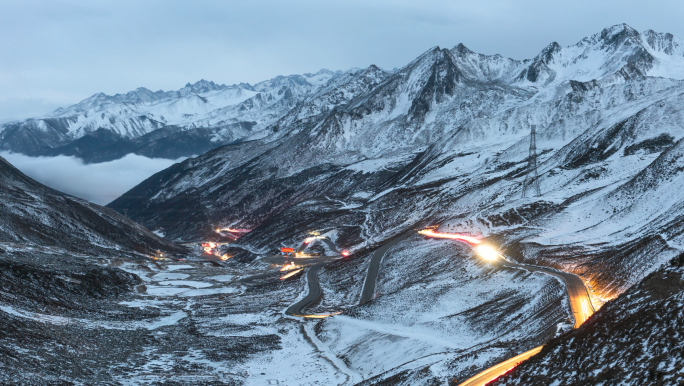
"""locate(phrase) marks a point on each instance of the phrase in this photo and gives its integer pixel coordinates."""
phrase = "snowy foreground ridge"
(364, 157)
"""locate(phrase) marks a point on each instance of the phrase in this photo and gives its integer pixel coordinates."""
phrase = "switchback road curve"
(314, 294)
(368, 291)
(581, 306)
(580, 303)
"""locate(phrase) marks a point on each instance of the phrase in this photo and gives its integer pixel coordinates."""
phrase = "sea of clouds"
(100, 183)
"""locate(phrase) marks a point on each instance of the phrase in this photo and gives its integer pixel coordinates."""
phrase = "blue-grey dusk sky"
(55, 53)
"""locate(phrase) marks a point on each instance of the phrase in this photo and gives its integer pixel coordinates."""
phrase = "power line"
(532, 176)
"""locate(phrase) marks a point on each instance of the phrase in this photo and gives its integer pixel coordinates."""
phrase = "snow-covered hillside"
(444, 140)
(634, 340)
(369, 155)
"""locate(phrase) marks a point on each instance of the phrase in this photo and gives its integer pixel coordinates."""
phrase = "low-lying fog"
(100, 183)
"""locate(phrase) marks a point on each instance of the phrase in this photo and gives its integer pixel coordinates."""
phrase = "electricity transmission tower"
(532, 177)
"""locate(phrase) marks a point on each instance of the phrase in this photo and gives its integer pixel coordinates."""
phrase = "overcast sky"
(56, 53)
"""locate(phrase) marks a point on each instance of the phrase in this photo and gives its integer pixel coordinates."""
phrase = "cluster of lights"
(209, 247)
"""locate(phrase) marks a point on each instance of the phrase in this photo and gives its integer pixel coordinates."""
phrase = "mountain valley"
(183, 279)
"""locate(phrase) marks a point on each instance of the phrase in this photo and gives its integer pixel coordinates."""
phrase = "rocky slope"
(34, 215)
(67, 269)
(635, 339)
(70, 318)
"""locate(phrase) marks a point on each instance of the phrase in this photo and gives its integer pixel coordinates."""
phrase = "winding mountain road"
(368, 291)
(580, 303)
(314, 294)
(581, 306)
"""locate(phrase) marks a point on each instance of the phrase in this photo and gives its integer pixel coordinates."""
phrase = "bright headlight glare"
(486, 252)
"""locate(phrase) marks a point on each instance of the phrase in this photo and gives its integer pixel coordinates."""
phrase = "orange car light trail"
(209, 247)
(288, 267)
(319, 316)
(453, 236)
(501, 375)
(291, 274)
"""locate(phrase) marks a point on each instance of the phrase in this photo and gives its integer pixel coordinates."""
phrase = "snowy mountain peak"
(547, 54)
(372, 71)
(618, 34)
(323, 71)
(462, 50)
(664, 42)
(89, 103)
(245, 86)
(201, 86)
(140, 95)
(615, 54)
(484, 68)
(321, 77)
(427, 54)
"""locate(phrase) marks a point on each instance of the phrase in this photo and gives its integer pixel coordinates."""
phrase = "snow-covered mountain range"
(367, 155)
(444, 140)
(205, 115)
(171, 124)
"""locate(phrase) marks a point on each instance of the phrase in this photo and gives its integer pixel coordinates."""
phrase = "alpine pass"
(461, 218)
